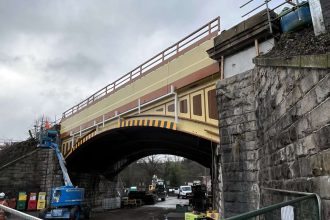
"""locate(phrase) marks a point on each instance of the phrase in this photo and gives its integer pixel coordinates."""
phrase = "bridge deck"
(179, 65)
(175, 93)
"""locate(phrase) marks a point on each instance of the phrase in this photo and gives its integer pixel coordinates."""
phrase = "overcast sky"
(54, 54)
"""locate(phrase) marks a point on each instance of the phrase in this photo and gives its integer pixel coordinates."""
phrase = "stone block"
(322, 89)
(299, 184)
(326, 209)
(320, 116)
(325, 161)
(285, 121)
(322, 137)
(305, 167)
(314, 61)
(250, 166)
(294, 170)
(307, 103)
(284, 138)
(250, 136)
(303, 127)
(321, 186)
(250, 145)
(308, 81)
(305, 146)
(252, 155)
(285, 171)
(316, 164)
(290, 153)
(275, 172)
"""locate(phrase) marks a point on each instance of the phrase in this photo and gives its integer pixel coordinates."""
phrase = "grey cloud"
(76, 66)
(70, 49)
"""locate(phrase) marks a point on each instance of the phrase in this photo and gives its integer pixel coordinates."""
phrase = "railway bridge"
(271, 137)
(166, 105)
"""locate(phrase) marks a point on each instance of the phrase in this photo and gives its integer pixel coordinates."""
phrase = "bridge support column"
(237, 188)
(97, 188)
(217, 184)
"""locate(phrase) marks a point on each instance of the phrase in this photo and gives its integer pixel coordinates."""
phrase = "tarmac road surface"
(147, 212)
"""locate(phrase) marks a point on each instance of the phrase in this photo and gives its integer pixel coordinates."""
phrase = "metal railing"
(203, 33)
(294, 205)
(14, 214)
(268, 10)
(118, 116)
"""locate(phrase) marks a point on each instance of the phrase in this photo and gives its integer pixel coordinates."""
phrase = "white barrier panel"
(111, 203)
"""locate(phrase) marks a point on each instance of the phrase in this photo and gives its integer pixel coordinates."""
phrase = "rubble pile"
(303, 42)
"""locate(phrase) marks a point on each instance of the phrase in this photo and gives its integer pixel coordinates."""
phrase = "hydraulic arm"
(67, 202)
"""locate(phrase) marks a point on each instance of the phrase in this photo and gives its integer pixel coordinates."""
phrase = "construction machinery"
(66, 202)
(158, 188)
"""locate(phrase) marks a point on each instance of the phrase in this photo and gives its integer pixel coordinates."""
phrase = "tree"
(175, 170)
(152, 165)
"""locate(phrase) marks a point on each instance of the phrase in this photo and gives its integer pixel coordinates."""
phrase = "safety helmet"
(2, 195)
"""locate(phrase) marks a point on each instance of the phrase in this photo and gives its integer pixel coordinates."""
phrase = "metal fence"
(285, 205)
(268, 9)
(13, 214)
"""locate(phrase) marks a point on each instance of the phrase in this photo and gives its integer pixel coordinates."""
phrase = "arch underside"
(110, 152)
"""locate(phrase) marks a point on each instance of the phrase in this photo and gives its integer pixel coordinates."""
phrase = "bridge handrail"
(19, 214)
(210, 28)
(303, 197)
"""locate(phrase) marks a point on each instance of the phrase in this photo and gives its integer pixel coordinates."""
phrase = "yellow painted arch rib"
(124, 123)
(79, 142)
(148, 123)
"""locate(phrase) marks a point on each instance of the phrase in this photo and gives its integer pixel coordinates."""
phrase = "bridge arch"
(110, 152)
(166, 105)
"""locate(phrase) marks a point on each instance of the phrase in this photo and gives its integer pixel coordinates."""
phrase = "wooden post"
(256, 44)
(222, 63)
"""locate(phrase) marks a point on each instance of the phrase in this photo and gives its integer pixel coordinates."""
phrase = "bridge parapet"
(195, 113)
(179, 88)
(202, 34)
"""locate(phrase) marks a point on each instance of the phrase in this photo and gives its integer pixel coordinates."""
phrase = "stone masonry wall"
(96, 187)
(217, 182)
(25, 168)
(293, 110)
(275, 133)
(325, 4)
(238, 144)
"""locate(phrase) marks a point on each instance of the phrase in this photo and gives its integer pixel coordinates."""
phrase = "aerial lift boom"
(66, 201)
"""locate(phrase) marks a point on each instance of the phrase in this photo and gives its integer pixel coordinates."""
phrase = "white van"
(184, 191)
(176, 190)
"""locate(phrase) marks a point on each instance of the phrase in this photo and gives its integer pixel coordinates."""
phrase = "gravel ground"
(303, 42)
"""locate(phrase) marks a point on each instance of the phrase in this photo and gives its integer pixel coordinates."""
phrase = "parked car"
(184, 191)
(176, 190)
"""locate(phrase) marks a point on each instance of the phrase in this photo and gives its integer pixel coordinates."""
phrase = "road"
(147, 212)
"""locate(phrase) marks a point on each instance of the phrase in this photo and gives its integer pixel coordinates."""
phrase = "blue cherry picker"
(66, 202)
